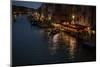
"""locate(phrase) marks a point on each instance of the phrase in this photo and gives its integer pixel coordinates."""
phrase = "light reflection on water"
(63, 39)
(33, 45)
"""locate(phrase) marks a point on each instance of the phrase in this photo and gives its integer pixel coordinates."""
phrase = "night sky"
(32, 4)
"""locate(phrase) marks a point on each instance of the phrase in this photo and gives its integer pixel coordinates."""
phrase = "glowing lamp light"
(93, 32)
(73, 16)
(88, 28)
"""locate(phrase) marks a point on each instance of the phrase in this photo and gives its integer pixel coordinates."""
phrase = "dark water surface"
(32, 45)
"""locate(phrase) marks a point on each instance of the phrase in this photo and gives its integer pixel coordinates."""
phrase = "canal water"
(32, 45)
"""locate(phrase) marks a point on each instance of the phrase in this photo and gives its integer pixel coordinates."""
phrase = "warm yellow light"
(49, 18)
(93, 32)
(88, 28)
(73, 16)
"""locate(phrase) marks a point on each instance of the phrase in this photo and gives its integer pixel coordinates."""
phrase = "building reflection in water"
(59, 39)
